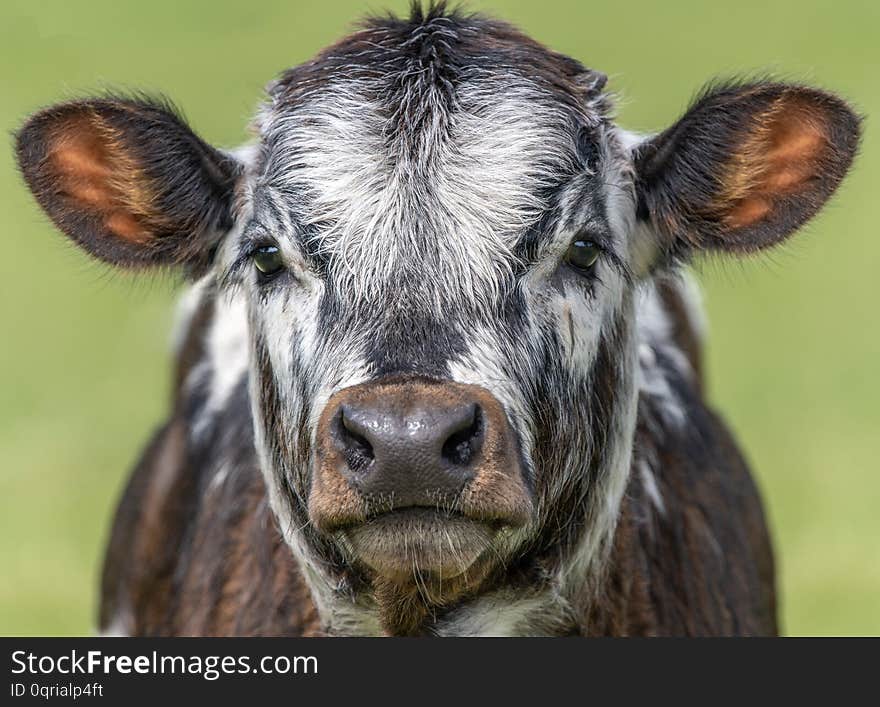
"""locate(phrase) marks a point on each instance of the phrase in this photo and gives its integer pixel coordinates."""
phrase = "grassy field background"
(794, 340)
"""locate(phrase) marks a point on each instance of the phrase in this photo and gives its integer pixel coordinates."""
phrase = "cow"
(438, 369)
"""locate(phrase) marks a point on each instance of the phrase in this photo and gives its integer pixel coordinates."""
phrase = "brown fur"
(180, 563)
(704, 566)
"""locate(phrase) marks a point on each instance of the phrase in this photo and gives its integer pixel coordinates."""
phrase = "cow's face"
(439, 237)
(433, 251)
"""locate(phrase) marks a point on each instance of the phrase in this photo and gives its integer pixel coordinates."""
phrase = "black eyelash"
(614, 260)
(245, 255)
(607, 252)
(251, 247)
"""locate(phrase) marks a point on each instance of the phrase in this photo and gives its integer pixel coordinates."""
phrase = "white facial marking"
(450, 213)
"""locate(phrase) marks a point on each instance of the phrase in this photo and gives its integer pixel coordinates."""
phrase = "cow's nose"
(409, 450)
(397, 443)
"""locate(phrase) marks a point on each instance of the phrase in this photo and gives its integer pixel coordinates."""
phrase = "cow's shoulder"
(194, 547)
(692, 553)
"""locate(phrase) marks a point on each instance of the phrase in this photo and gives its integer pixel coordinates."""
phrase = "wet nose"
(409, 448)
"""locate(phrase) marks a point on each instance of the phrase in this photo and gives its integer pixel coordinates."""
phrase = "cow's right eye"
(267, 259)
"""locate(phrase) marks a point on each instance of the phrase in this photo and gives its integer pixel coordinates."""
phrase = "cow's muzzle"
(417, 474)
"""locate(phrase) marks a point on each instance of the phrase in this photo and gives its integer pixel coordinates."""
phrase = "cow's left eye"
(582, 254)
(267, 259)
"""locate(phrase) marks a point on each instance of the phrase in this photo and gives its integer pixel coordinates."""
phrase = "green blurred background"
(794, 339)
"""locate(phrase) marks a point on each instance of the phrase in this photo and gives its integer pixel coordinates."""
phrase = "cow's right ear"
(129, 181)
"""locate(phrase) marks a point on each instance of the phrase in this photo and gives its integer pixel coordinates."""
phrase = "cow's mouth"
(395, 456)
(404, 542)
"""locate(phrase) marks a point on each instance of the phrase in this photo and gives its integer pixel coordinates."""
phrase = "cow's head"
(439, 236)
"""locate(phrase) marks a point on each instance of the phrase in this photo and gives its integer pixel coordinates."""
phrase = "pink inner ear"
(748, 212)
(784, 153)
(95, 172)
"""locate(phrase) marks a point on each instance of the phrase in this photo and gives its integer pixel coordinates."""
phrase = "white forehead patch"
(445, 205)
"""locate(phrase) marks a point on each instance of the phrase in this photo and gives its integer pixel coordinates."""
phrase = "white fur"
(650, 484)
(120, 626)
(502, 614)
(187, 305)
(458, 210)
(226, 365)
(655, 334)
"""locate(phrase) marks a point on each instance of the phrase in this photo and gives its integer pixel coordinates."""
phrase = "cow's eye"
(582, 254)
(267, 259)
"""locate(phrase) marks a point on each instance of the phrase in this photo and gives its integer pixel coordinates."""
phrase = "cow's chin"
(411, 542)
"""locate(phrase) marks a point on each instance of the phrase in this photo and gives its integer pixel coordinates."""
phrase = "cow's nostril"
(357, 448)
(464, 443)
(412, 448)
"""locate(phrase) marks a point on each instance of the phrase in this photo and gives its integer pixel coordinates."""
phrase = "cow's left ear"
(129, 181)
(744, 167)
